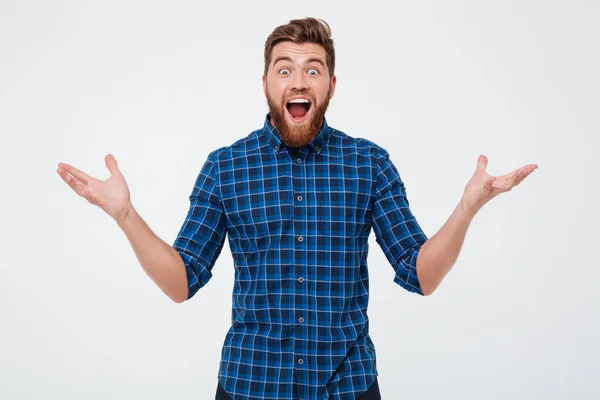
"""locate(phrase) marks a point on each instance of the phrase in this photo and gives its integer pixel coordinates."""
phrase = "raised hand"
(483, 187)
(111, 195)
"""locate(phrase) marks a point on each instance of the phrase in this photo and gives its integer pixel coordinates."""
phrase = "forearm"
(439, 253)
(160, 261)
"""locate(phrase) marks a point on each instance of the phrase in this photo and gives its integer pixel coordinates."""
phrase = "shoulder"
(361, 144)
(242, 146)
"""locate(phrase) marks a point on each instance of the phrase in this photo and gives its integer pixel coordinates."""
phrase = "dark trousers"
(372, 393)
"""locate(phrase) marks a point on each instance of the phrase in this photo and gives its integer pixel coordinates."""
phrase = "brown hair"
(305, 30)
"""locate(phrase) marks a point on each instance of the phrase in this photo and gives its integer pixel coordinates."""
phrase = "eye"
(284, 71)
(316, 72)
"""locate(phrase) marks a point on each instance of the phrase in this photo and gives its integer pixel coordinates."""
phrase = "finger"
(518, 177)
(509, 176)
(111, 164)
(524, 175)
(506, 182)
(75, 184)
(515, 176)
(525, 172)
(80, 175)
(482, 162)
(515, 179)
(528, 168)
(487, 186)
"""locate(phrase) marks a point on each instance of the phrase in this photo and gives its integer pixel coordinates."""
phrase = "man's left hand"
(483, 187)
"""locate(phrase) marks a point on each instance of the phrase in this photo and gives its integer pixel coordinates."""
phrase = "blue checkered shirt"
(298, 222)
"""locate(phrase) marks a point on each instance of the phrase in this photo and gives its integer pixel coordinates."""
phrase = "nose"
(299, 81)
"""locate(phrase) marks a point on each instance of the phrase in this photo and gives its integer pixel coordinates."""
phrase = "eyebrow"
(317, 60)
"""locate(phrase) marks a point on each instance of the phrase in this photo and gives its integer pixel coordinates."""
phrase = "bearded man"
(297, 199)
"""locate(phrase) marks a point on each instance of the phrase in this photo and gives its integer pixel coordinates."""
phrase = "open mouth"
(298, 109)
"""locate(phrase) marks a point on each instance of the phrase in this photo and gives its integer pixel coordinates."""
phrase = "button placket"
(299, 293)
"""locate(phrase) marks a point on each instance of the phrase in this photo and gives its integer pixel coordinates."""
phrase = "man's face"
(298, 89)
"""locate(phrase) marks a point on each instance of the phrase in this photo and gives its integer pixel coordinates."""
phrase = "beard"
(298, 135)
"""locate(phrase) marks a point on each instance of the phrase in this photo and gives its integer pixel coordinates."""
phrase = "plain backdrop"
(436, 83)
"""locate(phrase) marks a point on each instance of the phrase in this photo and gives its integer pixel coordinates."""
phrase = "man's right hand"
(111, 195)
(160, 260)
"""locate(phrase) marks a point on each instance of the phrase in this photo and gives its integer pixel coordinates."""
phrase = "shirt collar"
(317, 144)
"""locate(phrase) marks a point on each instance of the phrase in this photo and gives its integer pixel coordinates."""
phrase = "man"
(297, 199)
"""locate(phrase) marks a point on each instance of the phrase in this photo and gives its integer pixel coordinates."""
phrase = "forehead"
(299, 52)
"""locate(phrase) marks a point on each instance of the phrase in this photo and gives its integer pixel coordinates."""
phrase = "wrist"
(467, 209)
(125, 215)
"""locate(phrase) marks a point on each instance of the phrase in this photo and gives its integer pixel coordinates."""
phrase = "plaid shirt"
(298, 221)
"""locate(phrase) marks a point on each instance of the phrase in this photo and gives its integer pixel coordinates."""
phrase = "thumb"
(111, 164)
(482, 162)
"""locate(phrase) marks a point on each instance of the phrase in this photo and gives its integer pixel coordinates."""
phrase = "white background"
(436, 83)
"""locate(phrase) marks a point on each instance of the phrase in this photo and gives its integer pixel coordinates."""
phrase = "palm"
(483, 187)
(112, 194)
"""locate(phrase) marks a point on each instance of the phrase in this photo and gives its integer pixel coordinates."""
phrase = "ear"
(264, 81)
(332, 86)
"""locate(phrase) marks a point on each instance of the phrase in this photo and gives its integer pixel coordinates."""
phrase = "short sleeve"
(201, 237)
(396, 229)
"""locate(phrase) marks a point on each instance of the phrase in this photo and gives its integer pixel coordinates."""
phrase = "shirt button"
(301, 279)
(300, 361)
(317, 148)
(299, 160)
(300, 238)
(300, 319)
(299, 198)
(276, 148)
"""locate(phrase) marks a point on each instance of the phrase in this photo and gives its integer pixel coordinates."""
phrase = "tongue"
(297, 110)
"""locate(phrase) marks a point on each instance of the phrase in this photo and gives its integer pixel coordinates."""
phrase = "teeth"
(299, 101)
